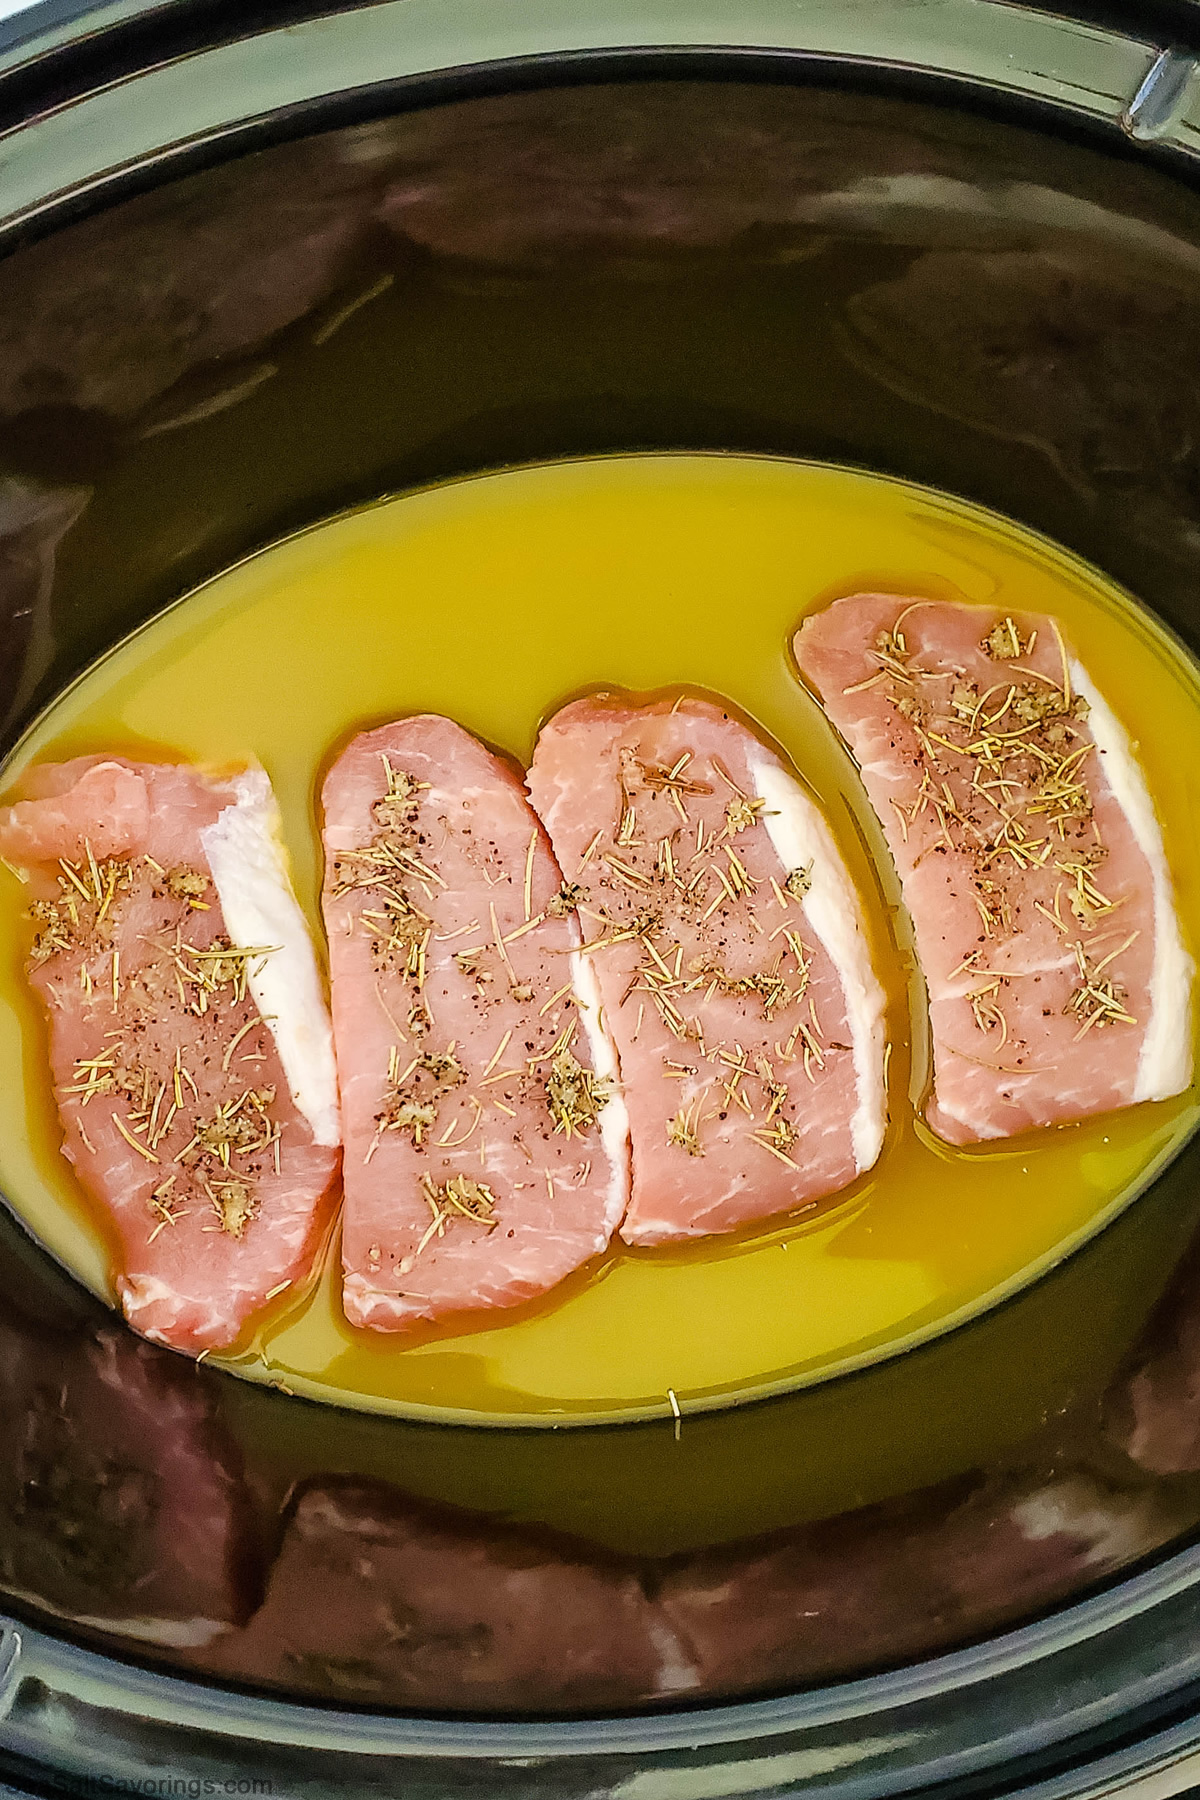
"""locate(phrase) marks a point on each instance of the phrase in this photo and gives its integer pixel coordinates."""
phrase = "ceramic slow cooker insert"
(955, 244)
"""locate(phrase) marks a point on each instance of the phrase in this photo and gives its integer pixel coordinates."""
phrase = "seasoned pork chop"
(729, 948)
(1030, 857)
(485, 1131)
(189, 1039)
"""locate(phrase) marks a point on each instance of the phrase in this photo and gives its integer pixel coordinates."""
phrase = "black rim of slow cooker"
(1160, 1724)
(162, 30)
(43, 84)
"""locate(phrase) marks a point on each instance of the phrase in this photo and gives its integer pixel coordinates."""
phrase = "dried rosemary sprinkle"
(458, 1198)
(1095, 1001)
(55, 932)
(398, 809)
(528, 886)
(568, 897)
(399, 933)
(95, 1075)
(1005, 783)
(164, 1206)
(671, 781)
(235, 1040)
(443, 1066)
(237, 1127)
(413, 1099)
(741, 814)
(189, 885)
(233, 1201)
(768, 986)
(87, 890)
(574, 1094)
(560, 994)
(779, 1139)
(219, 965)
(1004, 643)
(131, 1140)
(986, 1010)
(682, 1130)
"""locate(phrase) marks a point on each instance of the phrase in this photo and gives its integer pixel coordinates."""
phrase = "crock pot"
(951, 240)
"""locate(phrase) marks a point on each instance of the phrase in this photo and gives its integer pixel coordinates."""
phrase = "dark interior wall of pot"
(187, 375)
(650, 265)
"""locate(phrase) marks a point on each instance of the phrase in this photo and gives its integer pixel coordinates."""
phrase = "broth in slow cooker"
(492, 600)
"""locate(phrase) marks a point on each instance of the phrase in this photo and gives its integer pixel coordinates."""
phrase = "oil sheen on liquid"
(494, 599)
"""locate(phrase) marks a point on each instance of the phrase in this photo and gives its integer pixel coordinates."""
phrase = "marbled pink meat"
(485, 1134)
(189, 1040)
(728, 944)
(1029, 854)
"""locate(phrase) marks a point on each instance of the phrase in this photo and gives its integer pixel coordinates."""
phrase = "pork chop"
(485, 1130)
(1030, 857)
(729, 947)
(188, 1034)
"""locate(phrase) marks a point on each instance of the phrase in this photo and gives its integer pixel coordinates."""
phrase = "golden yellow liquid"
(492, 600)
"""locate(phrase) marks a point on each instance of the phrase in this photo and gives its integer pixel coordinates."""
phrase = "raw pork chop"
(189, 1039)
(1029, 854)
(485, 1137)
(729, 948)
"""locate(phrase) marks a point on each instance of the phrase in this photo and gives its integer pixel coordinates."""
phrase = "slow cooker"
(955, 241)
